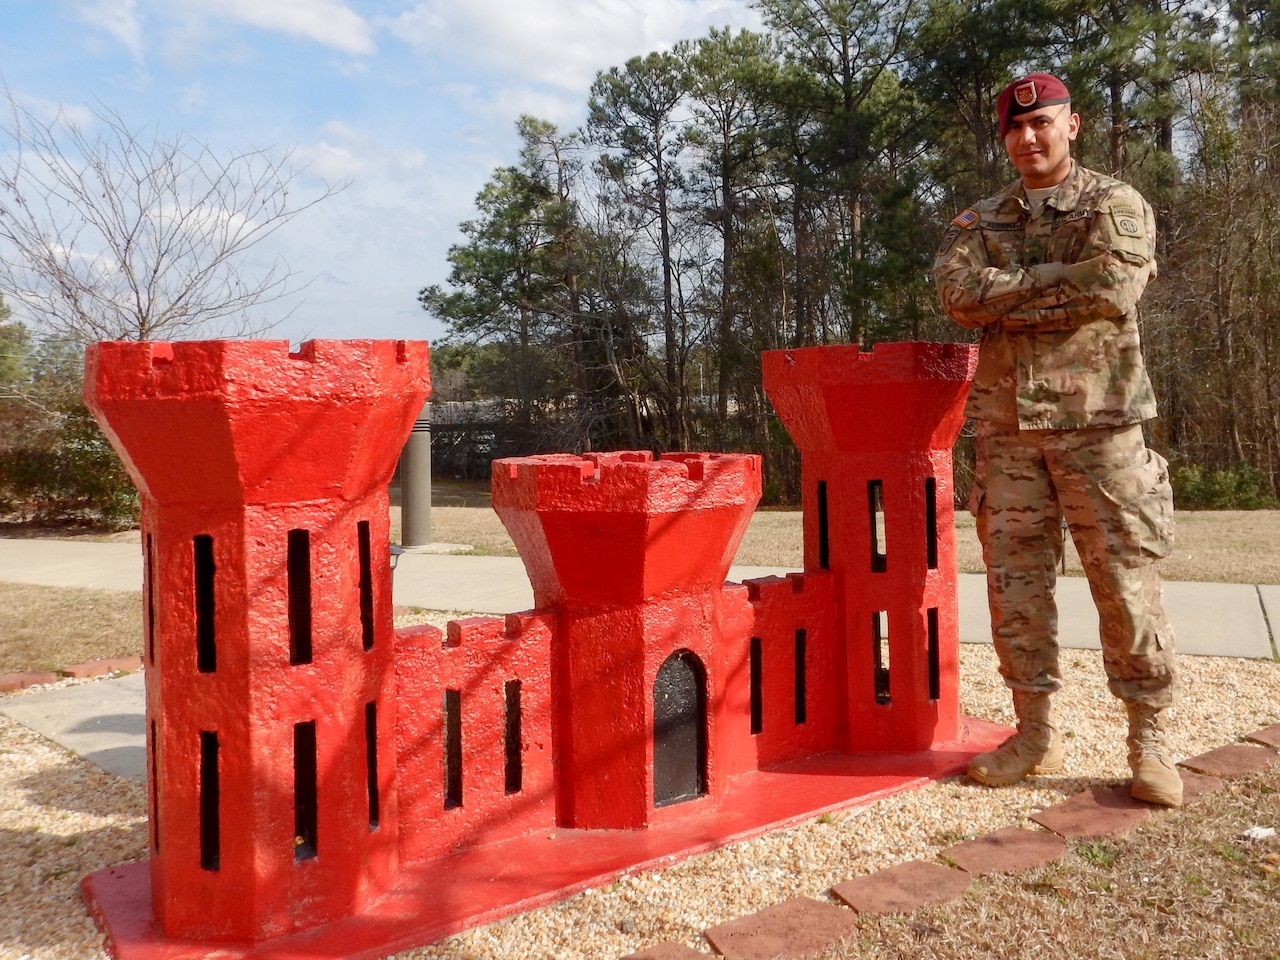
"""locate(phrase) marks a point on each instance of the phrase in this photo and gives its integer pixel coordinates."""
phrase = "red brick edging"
(801, 927)
(91, 668)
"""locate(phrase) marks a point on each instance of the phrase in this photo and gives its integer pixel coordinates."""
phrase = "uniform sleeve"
(973, 292)
(1118, 262)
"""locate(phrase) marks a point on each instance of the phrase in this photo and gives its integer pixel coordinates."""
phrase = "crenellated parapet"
(474, 742)
(616, 528)
(252, 422)
(895, 398)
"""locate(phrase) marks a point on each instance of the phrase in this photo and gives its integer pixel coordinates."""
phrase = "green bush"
(68, 473)
(1241, 487)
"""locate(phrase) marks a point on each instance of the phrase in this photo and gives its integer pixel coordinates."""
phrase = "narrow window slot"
(802, 707)
(931, 522)
(306, 811)
(366, 584)
(153, 783)
(149, 560)
(935, 663)
(824, 528)
(206, 640)
(371, 761)
(875, 505)
(452, 749)
(210, 825)
(511, 738)
(880, 646)
(299, 573)
(757, 686)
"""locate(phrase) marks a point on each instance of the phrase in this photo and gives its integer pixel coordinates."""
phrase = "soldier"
(1050, 270)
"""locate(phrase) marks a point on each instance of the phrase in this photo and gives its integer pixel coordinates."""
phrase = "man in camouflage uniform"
(1050, 269)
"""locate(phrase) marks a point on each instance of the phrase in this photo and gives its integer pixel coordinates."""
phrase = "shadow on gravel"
(43, 859)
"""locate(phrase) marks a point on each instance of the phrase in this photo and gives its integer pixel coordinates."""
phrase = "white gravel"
(61, 817)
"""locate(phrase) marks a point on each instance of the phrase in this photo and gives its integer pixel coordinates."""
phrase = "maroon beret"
(1028, 93)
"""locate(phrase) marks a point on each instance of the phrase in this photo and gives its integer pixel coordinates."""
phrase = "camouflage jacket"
(1056, 299)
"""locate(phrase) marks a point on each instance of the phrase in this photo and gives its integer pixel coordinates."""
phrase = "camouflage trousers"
(1115, 496)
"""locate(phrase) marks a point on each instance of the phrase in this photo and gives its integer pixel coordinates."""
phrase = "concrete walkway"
(1211, 619)
(103, 721)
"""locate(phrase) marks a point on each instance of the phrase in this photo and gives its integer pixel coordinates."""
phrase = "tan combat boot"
(1035, 748)
(1155, 778)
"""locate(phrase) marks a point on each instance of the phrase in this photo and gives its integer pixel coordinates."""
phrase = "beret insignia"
(1025, 94)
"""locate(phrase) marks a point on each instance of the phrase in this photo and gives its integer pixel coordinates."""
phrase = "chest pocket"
(1070, 234)
(1004, 244)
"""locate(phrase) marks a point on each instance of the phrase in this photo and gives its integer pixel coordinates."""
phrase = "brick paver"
(1196, 785)
(903, 888)
(792, 930)
(100, 668)
(1233, 760)
(1267, 736)
(1010, 850)
(25, 678)
(1096, 813)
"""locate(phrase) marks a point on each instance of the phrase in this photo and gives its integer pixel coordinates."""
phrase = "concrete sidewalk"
(103, 721)
(1211, 619)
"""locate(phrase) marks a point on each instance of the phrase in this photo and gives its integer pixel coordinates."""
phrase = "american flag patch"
(966, 219)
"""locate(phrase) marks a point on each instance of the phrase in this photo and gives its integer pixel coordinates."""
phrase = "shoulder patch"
(966, 219)
(1128, 222)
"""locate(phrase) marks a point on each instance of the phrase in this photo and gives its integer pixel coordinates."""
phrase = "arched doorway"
(679, 730)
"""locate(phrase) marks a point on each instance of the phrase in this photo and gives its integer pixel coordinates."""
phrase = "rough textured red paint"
(622, 528)
(633, 553)
(886, 418)
(234, 445)
(477, 658)
(242, 443)
(782, 608)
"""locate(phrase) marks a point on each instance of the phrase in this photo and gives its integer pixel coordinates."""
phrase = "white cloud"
(118, 18)
(494, 110)
(329, 22)
(366, 251)
(561, 44)
(56, 113)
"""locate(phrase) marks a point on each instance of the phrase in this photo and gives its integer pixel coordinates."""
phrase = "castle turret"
(875, 432)
(632, 553)
(269, 636)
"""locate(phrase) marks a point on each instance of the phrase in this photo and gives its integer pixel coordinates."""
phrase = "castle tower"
(875, 432)
(632, 554)
(269, 637)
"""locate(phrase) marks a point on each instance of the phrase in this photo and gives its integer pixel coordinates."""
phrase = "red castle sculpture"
(322, 785)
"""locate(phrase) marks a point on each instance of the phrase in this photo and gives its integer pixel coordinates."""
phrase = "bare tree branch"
(109, 233)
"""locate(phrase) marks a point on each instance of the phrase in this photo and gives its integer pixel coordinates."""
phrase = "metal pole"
(415, 483)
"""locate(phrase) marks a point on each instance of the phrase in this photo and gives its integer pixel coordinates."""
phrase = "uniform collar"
(1068, 196)
(1065, 200)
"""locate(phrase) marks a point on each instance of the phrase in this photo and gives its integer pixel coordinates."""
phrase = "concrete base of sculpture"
(432, 899)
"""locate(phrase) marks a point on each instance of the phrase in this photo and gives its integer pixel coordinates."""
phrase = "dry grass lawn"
(1221, 546)
(44, 628)
(50, 628)
(1187, 885)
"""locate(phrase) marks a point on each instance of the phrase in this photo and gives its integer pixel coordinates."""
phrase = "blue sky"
(413, 102)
